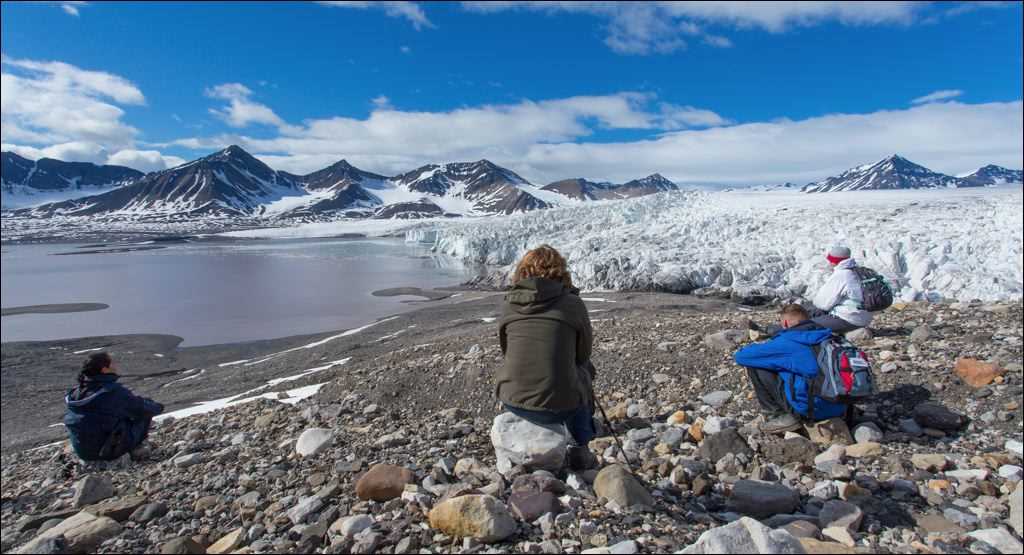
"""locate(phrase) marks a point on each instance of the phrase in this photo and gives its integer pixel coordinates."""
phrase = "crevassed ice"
(959, 243)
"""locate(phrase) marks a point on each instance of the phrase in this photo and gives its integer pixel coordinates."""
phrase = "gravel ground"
(416, 393)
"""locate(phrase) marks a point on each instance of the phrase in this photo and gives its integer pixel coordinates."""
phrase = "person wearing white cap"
(838, 304)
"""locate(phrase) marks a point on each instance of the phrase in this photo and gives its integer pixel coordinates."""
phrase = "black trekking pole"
(615, 436)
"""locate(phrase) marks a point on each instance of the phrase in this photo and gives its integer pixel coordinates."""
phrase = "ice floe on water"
(960, 243)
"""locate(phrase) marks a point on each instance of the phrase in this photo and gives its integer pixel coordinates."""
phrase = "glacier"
(931, 244)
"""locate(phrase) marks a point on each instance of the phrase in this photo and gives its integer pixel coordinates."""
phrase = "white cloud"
(660, 27)
(382, 102)
(69, 7)
(548, 140)
(80, 151)
(937, 96)
(405, 49)
(407, 10)
(144, 160)
(54, 102)
(57, 110)
(241, 111)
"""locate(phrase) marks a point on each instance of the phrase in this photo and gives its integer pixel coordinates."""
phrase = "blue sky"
(711, 92)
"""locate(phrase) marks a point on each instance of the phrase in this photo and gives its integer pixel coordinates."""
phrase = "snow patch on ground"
(931, 244)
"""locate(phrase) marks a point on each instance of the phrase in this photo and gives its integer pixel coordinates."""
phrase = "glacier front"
(932, 244)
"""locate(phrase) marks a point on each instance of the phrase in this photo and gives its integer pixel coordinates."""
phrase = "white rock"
(313, 441)
(746, 535)
(977, 475)
(351, 525)
(517, 441)
(998, 538)
(1015, 448)
(1011, 472)
(868, 433)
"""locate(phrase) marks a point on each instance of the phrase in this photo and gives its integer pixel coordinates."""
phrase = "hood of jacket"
(532, 295)
(93, 388)
(845, 265)
(807, 333)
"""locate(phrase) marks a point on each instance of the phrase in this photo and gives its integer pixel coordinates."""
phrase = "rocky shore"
(393, 453)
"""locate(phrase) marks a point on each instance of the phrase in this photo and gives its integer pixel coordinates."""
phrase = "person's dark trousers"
(834, 323)
(578, 421)
(128, 435)
(768, 388)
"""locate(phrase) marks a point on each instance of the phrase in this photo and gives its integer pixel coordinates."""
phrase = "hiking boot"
(781, 424)
(581, 458)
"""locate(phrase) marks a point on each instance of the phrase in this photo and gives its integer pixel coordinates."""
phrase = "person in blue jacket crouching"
(104, 419)
(781, 369)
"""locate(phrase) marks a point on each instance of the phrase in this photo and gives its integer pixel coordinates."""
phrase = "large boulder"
(481, 517)
(746, 535)
(617, 484)
(118, 509)
(520, 442)
(83, 533)
(91, 489)
(384, 482)
(763, 499)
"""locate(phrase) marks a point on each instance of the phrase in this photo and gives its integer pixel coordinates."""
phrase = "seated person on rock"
(838, 304)
(546, 339)
(781, 368)
(104, 419)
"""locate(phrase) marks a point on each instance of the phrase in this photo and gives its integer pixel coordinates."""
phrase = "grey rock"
(188, 460)
(725, 340)
(717, 399)
(716, 446)
(304, 509)
(763, 499)
(841, 514)
(148, 512)
(92, 488)
(83, 532)
(921, 334)
(938, 417)
(859, 335)
(617, 484)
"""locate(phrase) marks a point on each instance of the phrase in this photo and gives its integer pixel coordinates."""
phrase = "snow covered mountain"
(475, 187)
(227, 183)
(25, 182)
(894, 172)
(993, 175)
(582, 189)
(339, 189)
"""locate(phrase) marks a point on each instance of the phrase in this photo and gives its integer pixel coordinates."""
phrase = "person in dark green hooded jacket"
(546, 339)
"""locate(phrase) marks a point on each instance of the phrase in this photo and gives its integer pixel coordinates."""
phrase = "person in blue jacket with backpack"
(104, 419)
(781, 369)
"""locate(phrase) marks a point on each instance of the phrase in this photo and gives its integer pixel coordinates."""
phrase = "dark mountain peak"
(13, 156)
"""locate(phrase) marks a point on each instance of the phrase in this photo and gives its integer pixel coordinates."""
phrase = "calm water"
(216, 293)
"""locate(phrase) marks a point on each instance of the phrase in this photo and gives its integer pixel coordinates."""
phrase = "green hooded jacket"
(545, 334)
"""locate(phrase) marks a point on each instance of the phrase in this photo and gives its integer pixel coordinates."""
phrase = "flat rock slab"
(763, 499)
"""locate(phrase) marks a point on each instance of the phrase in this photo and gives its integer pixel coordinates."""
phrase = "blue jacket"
(98, 407)
(790, 353)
